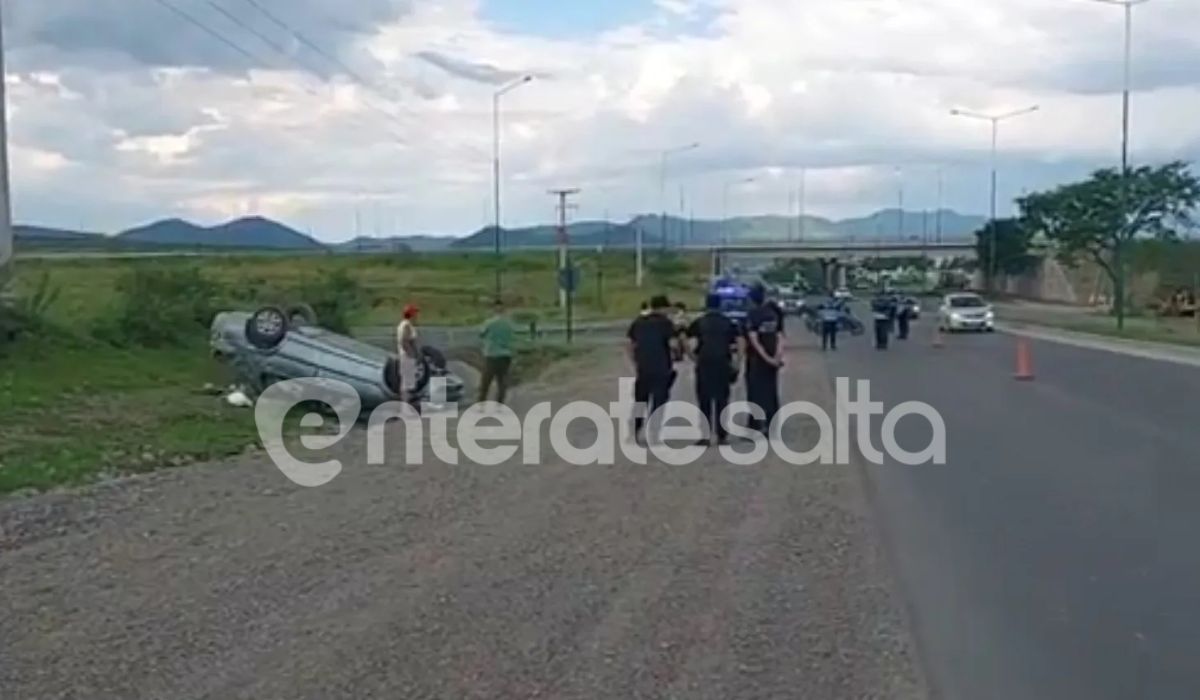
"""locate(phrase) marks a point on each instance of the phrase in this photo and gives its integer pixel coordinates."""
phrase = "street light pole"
(6, 229)
(995, 120)
(496, 168)
(1118, 262)
(662, 200)
(725, 204)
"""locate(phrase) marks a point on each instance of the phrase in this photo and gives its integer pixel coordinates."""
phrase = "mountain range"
(260, 233)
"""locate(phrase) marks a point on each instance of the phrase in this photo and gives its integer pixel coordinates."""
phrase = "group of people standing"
(716, 345)
(889, 312)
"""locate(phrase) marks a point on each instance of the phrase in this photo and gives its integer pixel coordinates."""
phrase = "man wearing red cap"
(410, 354)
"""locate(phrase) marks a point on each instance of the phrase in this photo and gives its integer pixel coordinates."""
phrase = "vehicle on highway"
(843, 294)
(792, 303)
(735, 299)
(966, 312)
(271, 345)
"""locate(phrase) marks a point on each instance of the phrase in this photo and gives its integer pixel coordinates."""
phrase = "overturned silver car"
(271, 345)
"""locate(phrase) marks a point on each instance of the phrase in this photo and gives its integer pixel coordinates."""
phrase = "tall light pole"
(6, 230)
(496, 166)
(725, 205)
(995, 120)
(662, 199)
(1118, 262)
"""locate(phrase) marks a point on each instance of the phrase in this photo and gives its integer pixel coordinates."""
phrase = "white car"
(843, 294)
(966, 312)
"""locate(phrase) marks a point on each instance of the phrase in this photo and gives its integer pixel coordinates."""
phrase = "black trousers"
(651, 389)
(762, 390)
(829, 331)
(495, 368)
(903, 327)
(712, 394)
(882, 327)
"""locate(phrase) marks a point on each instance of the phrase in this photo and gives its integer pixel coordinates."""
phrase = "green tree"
(1101, 216)
(1012, 247)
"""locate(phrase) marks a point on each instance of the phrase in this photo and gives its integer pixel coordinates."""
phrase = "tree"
(1012, 247)
(1100, 217)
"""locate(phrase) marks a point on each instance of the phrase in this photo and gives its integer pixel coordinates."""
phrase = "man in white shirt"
(409, 352)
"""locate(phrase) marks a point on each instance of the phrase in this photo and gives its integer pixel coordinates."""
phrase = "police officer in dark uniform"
(715, 341)
(764, 356)
(883, 310)
(651, 336)
(903, 318)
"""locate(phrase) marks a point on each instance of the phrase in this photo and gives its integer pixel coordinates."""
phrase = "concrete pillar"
(842, 280)
(716, 263)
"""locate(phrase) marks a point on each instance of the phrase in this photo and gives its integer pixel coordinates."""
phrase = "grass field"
(78, 408)
(450, 288)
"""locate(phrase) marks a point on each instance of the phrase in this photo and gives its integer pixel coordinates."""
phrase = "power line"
(307, 42)
(262, 37)
(254, 60)
(354, 75)
(208, 30)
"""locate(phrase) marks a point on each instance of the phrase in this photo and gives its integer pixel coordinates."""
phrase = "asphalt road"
(1056, 555)
(459, 581)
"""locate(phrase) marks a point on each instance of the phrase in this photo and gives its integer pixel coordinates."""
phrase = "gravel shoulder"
(460, 581)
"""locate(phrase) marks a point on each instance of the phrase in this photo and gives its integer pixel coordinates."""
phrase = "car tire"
(301, 314)
(433, 356)
(267, 327)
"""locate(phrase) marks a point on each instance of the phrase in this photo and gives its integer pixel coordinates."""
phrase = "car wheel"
(301, 315)
(266, 328)
(434, 356)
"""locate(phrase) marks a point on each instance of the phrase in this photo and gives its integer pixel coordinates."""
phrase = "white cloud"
(848, 89)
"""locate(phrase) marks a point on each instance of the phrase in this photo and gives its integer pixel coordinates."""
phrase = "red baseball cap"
(411, 310)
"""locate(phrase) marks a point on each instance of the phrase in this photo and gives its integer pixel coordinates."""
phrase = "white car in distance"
(966, 312)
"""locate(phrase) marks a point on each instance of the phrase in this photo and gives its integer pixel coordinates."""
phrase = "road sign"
(568, 279)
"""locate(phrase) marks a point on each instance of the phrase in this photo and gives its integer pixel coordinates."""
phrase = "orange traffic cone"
(938, 340)
(1024, 360)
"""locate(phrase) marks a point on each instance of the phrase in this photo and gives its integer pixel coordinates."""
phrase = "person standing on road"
(903, 318)
(830, 316)
(882, 311)
(715, 343)
(764, 357)
(497, 336)
(651, 337)
(409, 351)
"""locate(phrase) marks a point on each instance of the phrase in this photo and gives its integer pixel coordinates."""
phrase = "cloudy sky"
(324, 112)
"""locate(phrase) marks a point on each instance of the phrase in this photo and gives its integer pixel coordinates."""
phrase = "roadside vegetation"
(105, 367)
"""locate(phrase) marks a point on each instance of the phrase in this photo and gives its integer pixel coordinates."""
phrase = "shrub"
(335, 297)
(160, 307)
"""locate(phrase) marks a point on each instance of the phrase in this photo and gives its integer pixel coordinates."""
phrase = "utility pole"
(501, 92)
(564, 258)
(6, 229)
(940, 195)
(801, 195)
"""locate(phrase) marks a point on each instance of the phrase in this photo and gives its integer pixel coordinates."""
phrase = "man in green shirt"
(497, 335)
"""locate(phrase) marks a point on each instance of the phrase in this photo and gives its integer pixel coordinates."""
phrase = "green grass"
(77, 408)
(450, 289)
(1177, 331)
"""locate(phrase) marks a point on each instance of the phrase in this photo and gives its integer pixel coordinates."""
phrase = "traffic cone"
(938, 340)
(1024, 360)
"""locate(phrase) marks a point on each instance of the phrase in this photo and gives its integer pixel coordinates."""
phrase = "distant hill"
(249, 232)
(394, 244)
(42, 233)
(880, 225)
(885, 223)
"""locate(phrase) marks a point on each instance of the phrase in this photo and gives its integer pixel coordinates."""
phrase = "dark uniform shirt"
(767, 323)
(651, 335)
(716, 335)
